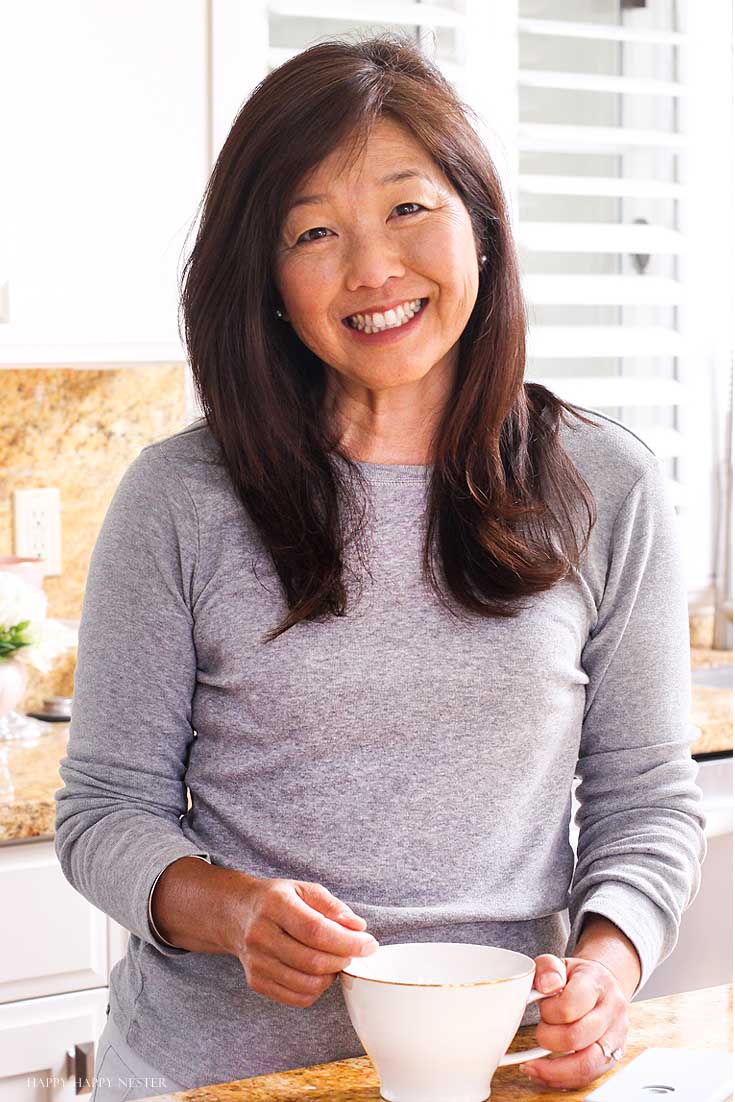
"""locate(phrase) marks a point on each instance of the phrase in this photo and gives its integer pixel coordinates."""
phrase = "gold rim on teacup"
(405, 983)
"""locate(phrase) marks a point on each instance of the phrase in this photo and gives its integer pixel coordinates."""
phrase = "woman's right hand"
(293, 937)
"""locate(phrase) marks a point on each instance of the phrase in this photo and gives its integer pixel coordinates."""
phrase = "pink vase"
(30, 570)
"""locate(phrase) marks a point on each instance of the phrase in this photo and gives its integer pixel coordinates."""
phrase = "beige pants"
(120, 1075)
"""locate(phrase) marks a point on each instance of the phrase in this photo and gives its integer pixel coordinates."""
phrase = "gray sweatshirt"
(418, 766)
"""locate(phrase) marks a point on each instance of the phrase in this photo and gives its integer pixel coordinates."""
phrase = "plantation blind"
(599, 183)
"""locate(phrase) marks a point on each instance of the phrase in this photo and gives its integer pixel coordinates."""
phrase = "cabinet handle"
(80, 1064)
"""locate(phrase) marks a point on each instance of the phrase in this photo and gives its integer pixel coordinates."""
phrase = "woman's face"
(365, 243)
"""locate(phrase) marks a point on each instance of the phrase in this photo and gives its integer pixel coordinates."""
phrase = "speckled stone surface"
(712, 713)
(79, 431)
(32, 770)
(29, 774)
(696, 1019)
(706, 658)
(712, 708)
(59, 681)
(701, 627)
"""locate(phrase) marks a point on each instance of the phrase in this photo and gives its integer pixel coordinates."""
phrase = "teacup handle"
(534, 996)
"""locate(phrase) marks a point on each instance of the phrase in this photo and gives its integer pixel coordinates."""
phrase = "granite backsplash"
(78, 430)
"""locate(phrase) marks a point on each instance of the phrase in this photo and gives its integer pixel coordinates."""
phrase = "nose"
(372, 262)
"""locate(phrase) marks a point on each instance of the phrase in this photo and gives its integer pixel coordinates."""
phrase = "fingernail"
(550, 981)
(369, 947)
(529, 1071)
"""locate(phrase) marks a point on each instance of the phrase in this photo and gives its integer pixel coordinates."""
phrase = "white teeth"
(391, 319)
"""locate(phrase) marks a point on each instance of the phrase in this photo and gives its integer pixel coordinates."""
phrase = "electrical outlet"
(37, 526)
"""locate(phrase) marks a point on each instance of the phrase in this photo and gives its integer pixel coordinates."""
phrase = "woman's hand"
(589, 1007)
(293, 937)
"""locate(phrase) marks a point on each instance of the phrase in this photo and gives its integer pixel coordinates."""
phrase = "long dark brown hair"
(503, 498)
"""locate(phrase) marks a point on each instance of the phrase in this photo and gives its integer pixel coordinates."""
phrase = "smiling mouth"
(399, 320)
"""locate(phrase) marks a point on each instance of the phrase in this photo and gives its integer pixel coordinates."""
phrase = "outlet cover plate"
(37, 526)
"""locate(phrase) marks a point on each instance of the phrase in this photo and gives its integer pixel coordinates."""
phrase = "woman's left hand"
(589, 1007)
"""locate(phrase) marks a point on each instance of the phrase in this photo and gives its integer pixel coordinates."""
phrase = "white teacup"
(436, 1018)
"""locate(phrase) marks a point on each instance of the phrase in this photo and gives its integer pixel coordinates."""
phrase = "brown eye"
(314, 229)
(303, 239)
(418, 205)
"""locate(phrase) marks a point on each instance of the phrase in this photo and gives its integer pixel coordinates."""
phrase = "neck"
(395, 425)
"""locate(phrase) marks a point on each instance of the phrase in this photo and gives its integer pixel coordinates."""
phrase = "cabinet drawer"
(53, 939)
(35, 1037)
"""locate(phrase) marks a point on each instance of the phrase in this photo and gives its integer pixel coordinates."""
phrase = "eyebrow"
(391, 178)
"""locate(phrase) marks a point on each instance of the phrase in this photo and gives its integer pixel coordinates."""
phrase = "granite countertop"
(694, 1019)
(711, 709)
(32, 770)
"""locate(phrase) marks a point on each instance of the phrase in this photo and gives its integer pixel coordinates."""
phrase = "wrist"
(194, 903)
(603, 941)
(235, 891)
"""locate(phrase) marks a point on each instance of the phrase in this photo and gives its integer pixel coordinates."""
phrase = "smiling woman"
(395, 755)
(353, 186)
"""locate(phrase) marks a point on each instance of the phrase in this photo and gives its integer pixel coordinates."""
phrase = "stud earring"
(279, 313)
(483, 258)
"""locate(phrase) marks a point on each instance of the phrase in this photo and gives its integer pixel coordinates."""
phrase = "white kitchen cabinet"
(104, 148)
(56, 955)
(39, 1039)
(53, 939)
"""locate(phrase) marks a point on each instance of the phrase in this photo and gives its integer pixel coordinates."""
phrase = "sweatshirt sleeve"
(124, 792)
(641, 826)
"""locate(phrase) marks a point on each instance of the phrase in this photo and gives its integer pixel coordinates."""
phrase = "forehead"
(391, 152)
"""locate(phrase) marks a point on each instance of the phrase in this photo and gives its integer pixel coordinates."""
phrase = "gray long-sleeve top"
(419, 766)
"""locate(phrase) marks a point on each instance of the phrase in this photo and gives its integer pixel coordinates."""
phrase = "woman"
(401, 597)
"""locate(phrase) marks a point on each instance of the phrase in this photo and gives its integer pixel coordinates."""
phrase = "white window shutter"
(611, 134)
(597, 233)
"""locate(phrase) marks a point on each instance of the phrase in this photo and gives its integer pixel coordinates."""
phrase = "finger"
(270, 989)
(265, 968)
(349, 919)
(581, 994)
(276, 942)
(320, 897)
(565, 1072)
(315, 930)
(575, 1036)
(551, 973)
(347, 915)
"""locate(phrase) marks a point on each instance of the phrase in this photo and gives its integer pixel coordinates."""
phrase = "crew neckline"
(391, 472)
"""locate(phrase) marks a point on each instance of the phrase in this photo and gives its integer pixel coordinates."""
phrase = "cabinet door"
(53, 939)
(104, 151)
(38, 1038)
